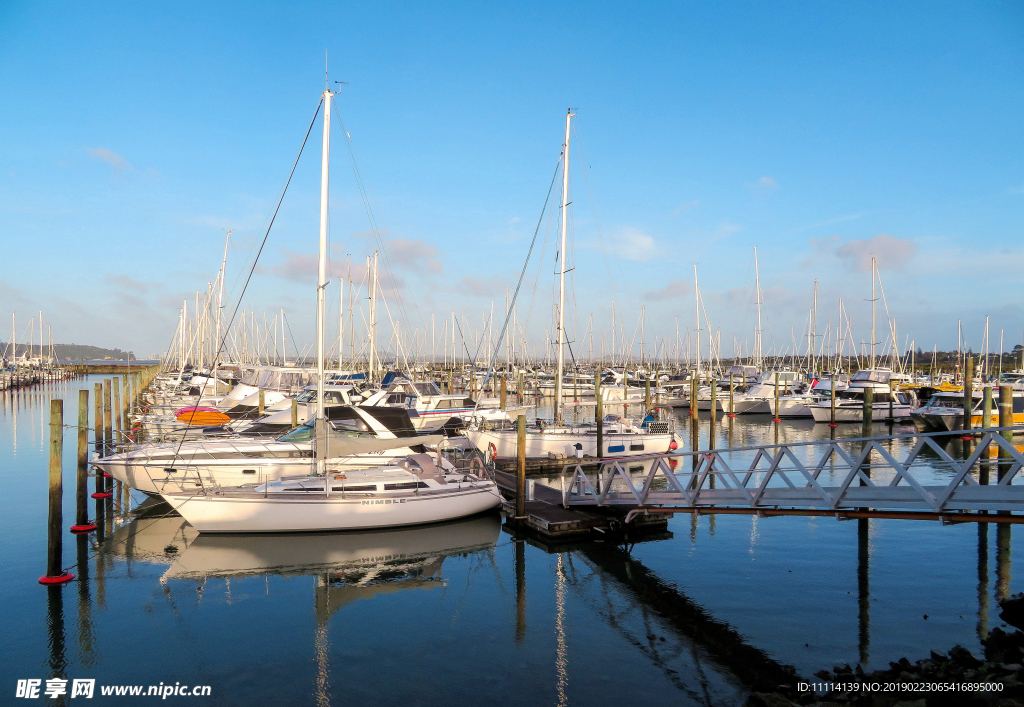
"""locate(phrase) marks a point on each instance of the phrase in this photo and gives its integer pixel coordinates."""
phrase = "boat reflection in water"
(349, 565)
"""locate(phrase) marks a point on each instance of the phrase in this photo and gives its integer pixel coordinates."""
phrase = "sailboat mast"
(872, 313)
(220, 307)
(561, 273)
(321, 289)
(757, 334)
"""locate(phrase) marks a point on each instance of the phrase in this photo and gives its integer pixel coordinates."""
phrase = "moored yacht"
(887, 404)
(412, 490)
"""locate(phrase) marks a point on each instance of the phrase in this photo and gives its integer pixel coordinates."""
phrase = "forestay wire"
(522, 274)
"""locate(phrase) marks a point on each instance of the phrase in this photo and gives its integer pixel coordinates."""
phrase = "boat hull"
(543, 444)
(252, 513)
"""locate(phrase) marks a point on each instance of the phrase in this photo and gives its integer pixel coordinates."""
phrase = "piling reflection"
(58, 663)
(982, 581)
(520, 569)
(863, 590)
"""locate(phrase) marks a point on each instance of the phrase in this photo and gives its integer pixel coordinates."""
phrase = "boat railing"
(470, 461)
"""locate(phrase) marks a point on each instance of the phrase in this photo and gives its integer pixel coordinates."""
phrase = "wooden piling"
(504, 392)
(97, 412)
(116, 385)
(1005, 420)
(693, 395)
(732, 394)
(868, 413)
(108, 425)
(647, 392)
(777, 418)
(54, 545)
(986, 407)
(521, 468)
(714, 402)
(832, 403)
(261, 402)
(295, 413)
(968, 394)
(599, 414)
(82, 524)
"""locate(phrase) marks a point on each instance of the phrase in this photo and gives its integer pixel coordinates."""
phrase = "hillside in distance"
(70, 352)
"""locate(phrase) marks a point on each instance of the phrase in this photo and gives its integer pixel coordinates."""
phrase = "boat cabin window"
(302, 433)
(351, 426)
(405, 485)
(427, 389)
(362, 487)
(871, 376)
(306, 396)
(395, 399)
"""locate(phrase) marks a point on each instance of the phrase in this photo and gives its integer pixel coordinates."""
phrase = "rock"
(1013, 610)
(963, 658)
(768, 699)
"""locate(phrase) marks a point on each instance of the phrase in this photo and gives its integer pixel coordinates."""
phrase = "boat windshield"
(306, 396)
(871, 376)
(427, 389)
(302, 433)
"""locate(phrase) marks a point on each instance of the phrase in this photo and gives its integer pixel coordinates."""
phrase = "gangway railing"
(829, 475)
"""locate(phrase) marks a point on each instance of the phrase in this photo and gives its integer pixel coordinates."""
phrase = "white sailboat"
(620, 437)
(412, 490)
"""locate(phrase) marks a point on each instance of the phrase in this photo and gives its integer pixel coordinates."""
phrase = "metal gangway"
(909, 475)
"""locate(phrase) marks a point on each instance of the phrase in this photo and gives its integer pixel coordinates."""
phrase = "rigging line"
(266, 234)
(252, 269)
(536, 278)
(593, 207)
(522, 274)
(364, 190)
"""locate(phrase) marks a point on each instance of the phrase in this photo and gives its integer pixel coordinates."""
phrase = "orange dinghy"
(201, 416)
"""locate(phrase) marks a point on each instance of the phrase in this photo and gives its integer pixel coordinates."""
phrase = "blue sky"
(820, 133)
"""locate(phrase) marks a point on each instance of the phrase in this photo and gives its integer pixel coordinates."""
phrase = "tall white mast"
(322, 276)
(373, 317)
(220, 306)
(696, 311)
(872, 313)
(757, 334)
(561, 274)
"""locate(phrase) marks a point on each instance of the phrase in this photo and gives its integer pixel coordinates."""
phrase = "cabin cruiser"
(944, 411)
(419, 488)
(355, 436)
(621, 437)
(429, 408)
(888, 404)
(798, 405)
(277, 418)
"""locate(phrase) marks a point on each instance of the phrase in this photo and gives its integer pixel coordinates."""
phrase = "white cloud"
(116, 161)
(677, 289)
(686, 206)
(634, 245)
(126, 283)
(891, 253)
(480, 288)
(764, 185)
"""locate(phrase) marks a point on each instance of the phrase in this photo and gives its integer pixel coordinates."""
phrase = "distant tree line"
(68, 352)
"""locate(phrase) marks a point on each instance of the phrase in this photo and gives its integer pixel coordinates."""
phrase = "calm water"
(451, 613)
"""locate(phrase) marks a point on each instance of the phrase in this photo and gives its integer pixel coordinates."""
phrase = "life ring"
(492, 452)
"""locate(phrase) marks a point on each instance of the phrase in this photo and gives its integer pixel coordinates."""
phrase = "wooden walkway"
(546, 516)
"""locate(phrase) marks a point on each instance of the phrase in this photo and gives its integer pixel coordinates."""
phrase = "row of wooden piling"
(110, 409)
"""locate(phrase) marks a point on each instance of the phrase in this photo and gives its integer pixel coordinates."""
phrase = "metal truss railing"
(794, 476)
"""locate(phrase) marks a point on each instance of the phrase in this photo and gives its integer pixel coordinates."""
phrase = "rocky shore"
(955, 679)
